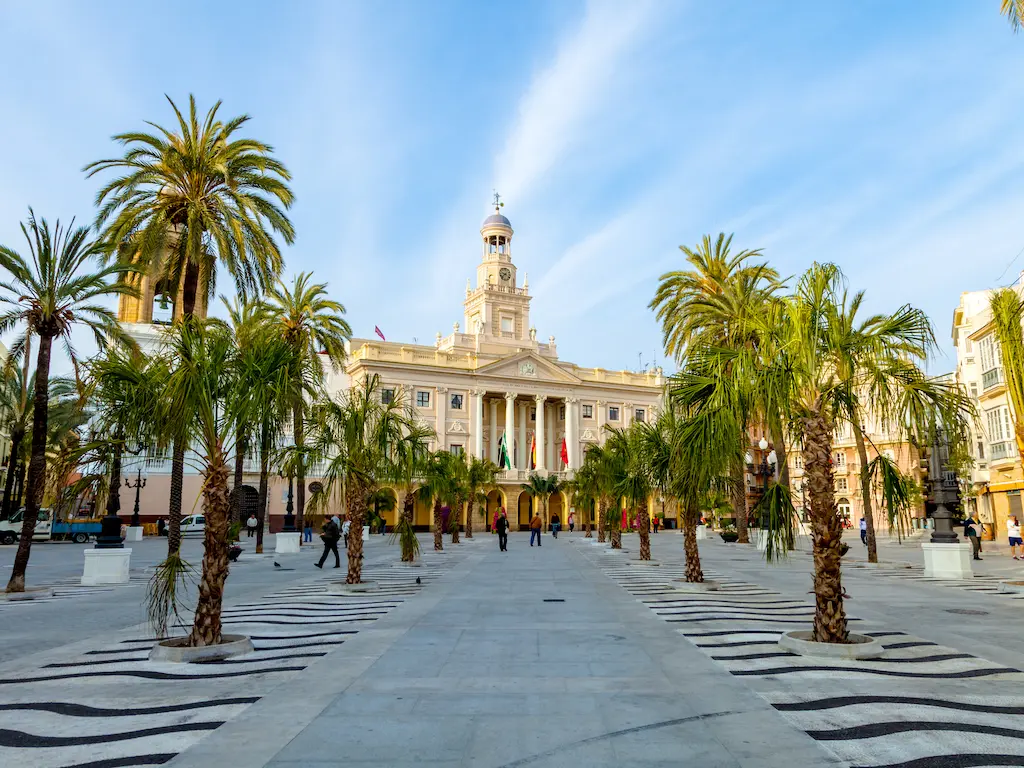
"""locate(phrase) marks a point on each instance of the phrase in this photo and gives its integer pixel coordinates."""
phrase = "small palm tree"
(313, 325)
(599, 466)
(440, 487)
(51, 291)
(541, 487)
(480, 474)
(635, 482)
(186, 201)
(408, 458)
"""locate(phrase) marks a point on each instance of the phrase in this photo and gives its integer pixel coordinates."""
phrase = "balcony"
(991, 379)
(1001, 451)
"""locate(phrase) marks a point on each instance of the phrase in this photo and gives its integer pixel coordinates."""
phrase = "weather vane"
(497, 201)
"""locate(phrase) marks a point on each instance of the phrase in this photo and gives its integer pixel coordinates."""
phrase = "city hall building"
(490, 378)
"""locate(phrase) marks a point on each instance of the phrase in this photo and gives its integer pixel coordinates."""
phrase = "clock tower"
(498, 308)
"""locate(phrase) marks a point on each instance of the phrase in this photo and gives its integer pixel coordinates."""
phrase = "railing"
(522, 475)
(1001, 450)
(991, 378)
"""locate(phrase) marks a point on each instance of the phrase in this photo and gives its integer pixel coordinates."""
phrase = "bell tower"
(498, 308)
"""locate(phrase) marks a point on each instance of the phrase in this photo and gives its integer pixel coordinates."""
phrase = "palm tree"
(187, 201)
(599, 467)
(51, 292)
(408, 457)
(357, 436)
(313, 325)
(635, 480)
(540, 488)
(440, 487)
(813, 337)
(1013, 10)
(480, 474)
(15, 415)
(713, 302)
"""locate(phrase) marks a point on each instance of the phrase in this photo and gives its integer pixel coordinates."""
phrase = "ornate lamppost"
(140, 482)
(289, 517)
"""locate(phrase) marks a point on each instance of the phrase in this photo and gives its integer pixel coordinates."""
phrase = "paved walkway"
(489, 672)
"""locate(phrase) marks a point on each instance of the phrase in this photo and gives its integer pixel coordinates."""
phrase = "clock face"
(505, 274)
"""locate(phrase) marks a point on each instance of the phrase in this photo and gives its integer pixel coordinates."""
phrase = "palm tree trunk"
(36, 465)
(644, 527)
(19, 486)
(779, 442)
(438, 523)
(355, 500)
(300, 474)
(601, 510)
(174, 505)
(261, 504)
(408, 506)
(240, 449)
(616, 537)
(694, 573)
(829, 613)
(586, 522)
(469, 515)
(865, 491)
(206, 629)
(738, 492)
(17, 436)
(455, 518)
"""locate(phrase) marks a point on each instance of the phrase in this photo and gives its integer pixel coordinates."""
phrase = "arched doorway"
(556, 506)
(423, 514)
(525, 506)
(384, 505)
(250, 499)
(844, 512)
(495, 501)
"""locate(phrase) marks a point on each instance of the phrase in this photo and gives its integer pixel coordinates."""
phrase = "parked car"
(193, 525)
(47, 527)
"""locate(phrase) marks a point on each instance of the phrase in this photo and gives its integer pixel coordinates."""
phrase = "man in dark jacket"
(503, 533)
(330, 536)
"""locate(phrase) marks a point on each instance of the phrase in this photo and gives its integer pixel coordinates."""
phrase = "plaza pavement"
(480, 666)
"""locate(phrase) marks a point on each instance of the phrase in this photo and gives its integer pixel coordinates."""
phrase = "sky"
(877, 135)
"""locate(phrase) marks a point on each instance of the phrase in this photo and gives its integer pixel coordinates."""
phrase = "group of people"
(973, 530)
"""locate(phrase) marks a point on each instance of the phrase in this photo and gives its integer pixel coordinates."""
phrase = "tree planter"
(30, 593)
(729, 537)
(860, 646)
(708, 585)
(1011, 586)
(175, 650)
(341, 588)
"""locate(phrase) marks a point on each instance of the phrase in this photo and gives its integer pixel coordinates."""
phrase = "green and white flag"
(503, 459)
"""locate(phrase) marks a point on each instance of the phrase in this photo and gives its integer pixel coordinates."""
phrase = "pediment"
(527, 366)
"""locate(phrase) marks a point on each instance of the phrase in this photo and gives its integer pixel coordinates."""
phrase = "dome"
(496, 220)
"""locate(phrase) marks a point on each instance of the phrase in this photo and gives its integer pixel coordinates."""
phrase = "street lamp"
(140, 482)
(289, 517)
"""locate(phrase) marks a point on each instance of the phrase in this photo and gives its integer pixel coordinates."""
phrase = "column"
(539, 432)
(442, 394)
(494, 430)
(478, 422)
(552, 449)
(510, 426)
(524, 449)
(572, 441)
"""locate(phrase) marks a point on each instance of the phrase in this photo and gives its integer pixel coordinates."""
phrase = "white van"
(193, 525)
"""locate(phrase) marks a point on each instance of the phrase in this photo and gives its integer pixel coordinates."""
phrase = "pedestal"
(366, 533)
(106, 566)
(702, 532)
(947, 561)
(287, 543)
(761, 537)
(133, 533)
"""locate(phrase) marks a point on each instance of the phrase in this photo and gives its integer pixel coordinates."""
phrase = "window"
(457, 402)
(506, 325)
(456, 450)
(998, 422)
(613, 413)
(533, 414)
(387, 396)
(981, 449)
(841, 484)
(561, 412)
(588, 411)
(974, 388)
(798, 462)
(423, 399)
(840, 460)
(639, 414)
(991, 354)
(968, 346)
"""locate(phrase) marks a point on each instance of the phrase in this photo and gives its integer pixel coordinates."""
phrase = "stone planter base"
(175, 650)
(30, 593)
(341, 588)
(287, 543)
(413, 564)
(708, 585)
(860, 646)
(702, 532)
(947, 561)
(1011, 586)
(106, 566)
(648, 563)
(133, 533)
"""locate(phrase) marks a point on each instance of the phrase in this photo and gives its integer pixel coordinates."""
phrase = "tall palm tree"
(15, 415)
(51, 291)
(541, 487)
(713, 302)
(1007, 312)
(1013, 10)
(187, 200)
(408, 457)
(356, 436)
(479, 474)
(635, 482)
(313, 325)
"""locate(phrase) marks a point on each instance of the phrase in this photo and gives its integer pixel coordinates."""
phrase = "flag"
(503, 460)
(533, 453)
(565, 453)
(379, 333)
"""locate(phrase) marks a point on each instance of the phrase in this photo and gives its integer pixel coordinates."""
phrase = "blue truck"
(48, 528)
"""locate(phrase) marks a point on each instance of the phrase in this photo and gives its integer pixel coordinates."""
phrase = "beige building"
(996, 481)
(490, 377)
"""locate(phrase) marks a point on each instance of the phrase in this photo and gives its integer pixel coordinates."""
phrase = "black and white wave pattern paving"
(110, 706)
(72, 588)
(920, 705)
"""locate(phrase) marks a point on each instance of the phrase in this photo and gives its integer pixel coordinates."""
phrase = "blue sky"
(879, 135)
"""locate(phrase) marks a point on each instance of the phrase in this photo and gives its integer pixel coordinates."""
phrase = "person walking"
(556, 525)
(250, 526)
(536, 525)
(161, 527)
(864, 530)
(494, 523)
(655, 523)
(572, 521)
(330, 536)
(307, 530)
(502, 528)
(972, 530)
(345, 528)
(1013, 531)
